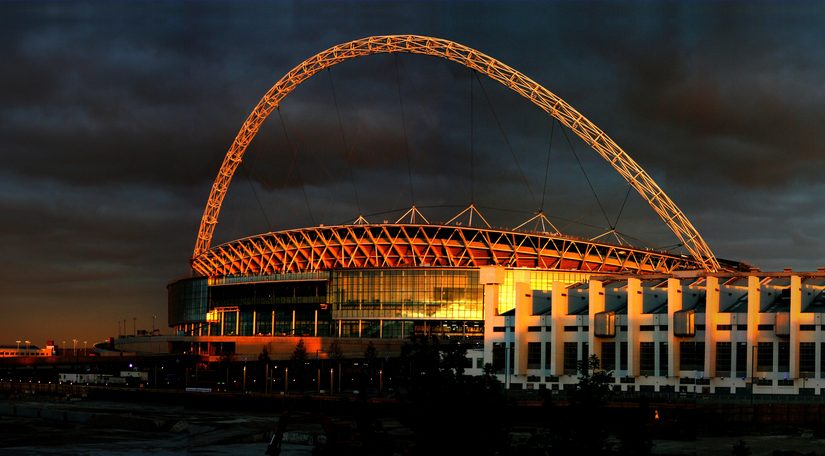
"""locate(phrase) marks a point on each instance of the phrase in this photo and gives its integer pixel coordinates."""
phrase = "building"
(22, 349)
(534, 302)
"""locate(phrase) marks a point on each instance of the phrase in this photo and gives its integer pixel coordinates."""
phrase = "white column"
(711, 320)
(796, 311)
(634, 316)
(524, 308)
(753, 321)
(596, 304)
(559, 314)
(674, 303)
(490, 277)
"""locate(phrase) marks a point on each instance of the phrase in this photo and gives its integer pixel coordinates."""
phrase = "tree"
(298, 361)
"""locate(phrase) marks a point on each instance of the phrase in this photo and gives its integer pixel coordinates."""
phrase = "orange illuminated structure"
(261, 250)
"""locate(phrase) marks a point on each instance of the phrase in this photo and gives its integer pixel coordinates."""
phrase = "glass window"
(608, 360)
(691, 356)
(741, 359)
(548, 353)
(498, 357)
(663, 359)
(807, 359)
(723, 359)
(764, 357)
(623, 356)
(534, 355)
(647, 358)
(571, 357)
(784, 356)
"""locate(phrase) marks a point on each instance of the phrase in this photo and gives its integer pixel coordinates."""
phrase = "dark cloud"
(115, 116)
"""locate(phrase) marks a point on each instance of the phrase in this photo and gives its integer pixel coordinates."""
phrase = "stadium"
(530, 301)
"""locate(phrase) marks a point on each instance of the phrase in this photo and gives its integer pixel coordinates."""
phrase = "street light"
(75, 347)
(28, 343)
(84, 348)
(62, 347)
(18, 346)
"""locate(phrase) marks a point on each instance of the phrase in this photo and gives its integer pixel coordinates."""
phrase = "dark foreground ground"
(128, 424)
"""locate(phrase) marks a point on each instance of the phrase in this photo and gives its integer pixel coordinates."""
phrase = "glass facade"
(407, 294)
(540, 281)
(188, 301)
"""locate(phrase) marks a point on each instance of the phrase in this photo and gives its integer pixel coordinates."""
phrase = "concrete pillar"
(490, 277)
(634, 316)
(796, 313)
(524, 308)
(559, 314)
(711, 320)
(596, 304)
(674, 303)
(254, 322)
(753, 321)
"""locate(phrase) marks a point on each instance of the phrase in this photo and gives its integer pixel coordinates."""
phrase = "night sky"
(114, 118)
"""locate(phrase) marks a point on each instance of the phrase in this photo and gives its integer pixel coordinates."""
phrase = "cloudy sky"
(114, 118)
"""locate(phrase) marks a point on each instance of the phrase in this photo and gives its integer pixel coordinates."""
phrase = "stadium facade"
(532, 304)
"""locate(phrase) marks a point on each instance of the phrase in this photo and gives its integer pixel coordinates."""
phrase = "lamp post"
(84, 348)
(286, 380)
(18, 346)
(62, 347)
(74, 349)
(154, 318)
(28, 345)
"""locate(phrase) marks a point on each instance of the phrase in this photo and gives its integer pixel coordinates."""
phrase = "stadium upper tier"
(397, 245)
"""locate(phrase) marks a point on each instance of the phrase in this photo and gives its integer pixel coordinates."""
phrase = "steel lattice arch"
(412, 245)
(261, 253)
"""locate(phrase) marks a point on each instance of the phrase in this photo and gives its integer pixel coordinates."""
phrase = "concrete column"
(753, 321)
(796, 313)
(254, 322)
(315, 331)
(237, 322)
(524, 308)
(490, 277)
(711, 320)
(674, 303)
(596, 304)
(292, 328)
(634, 316)
(272, 322)
(559, 314)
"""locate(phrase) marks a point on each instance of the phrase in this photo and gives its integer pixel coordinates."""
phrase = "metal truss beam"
(403, 245)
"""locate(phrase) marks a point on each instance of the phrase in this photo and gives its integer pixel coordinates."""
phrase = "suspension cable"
(547, 165)
(347, 155)
(506, 140)
(404, 128)
(590, 184)
(472, 142)
(255, 193)
(297, 165)
(621, 209)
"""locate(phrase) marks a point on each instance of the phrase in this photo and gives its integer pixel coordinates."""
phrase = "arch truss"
(637, 177)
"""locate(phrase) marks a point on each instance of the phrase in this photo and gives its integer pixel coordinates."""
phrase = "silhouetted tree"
(298, 361)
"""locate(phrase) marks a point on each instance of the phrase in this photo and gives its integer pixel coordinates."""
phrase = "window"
(741, 359)
(807, 359)
(608, 356)
(479, 363)
(784, 357)
(585, 354)
(647, 358)
(571, 353)
(724, 327)
(534, 355)
(765, 327)
(533, 329)
(807, 327)
(623, 355)
(764, 357)
(646, 328)
(723, 359)
(498, 329)
(498, 357)
(692, 356)
(571, 328)
(663, 364)
(548, 353)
